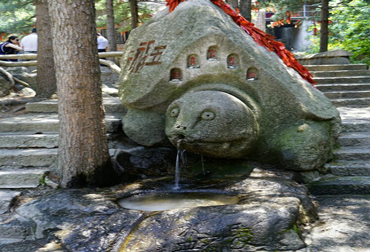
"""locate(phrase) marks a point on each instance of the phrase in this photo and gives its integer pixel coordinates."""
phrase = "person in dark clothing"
(11, 46)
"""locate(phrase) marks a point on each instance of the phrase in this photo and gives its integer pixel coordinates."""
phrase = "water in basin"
(166, 201)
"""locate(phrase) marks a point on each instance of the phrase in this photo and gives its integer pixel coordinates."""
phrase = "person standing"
(29, 42)
(102, 43)
(11, 46)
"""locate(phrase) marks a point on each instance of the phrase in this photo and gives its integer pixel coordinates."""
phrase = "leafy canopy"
(17, 16)
(350, 28)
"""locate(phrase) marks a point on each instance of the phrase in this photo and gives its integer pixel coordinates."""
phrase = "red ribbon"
(259, 36)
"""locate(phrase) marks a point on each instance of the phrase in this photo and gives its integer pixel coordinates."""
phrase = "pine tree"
(83, 150)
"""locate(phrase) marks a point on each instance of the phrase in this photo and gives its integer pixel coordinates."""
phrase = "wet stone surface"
(271, 209)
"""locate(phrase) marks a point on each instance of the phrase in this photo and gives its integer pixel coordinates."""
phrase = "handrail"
(33, 60)
(33, 56)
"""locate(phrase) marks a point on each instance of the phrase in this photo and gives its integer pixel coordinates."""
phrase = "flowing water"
(180, 162)
(201, 158)
(166, 201)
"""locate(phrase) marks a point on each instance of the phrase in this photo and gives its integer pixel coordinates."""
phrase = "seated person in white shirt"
(102, 43)
(29, 42)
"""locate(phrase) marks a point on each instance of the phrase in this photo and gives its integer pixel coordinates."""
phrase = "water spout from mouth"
(201, 158)
(180, 162)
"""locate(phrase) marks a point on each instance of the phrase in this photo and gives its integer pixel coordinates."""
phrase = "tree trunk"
(83, 150)
(233, 3)
(110, 26)
(134, 14)
(324, 30)
(246, 9)
(46, 81)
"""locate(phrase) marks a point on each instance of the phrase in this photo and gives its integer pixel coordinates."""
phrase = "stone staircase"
(28, 147)
(344, 85)
(348, 87)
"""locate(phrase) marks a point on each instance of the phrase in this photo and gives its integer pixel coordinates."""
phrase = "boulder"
(195, 78)
(5, 85)
(268, 215)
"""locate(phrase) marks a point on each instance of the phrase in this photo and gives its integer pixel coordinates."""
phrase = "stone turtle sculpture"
(195, 78)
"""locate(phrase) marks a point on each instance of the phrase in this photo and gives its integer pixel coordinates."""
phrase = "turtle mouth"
(186, 142)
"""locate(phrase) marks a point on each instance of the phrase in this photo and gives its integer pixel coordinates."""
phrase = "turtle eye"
(208, 115)
(175, 112)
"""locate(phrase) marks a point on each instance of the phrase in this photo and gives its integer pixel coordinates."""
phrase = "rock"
(325, 58)
(147, 161)
(28, 91)
(24, 74)
(15, 228)
(267, 217)
(5, 86)
(218, 93)
(6, 199)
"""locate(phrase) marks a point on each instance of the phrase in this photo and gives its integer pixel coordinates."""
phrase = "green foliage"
(283, 6)
(16, 16)
(122, 14)
(350, 29)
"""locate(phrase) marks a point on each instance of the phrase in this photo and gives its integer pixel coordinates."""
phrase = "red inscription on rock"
(145, 55)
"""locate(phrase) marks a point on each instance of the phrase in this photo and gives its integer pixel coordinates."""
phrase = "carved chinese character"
(145, 56)
(156, 56)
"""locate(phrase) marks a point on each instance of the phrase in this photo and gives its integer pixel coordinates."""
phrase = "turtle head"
(213, 123)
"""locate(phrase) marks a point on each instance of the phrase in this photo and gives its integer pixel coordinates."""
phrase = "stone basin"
(162, 201)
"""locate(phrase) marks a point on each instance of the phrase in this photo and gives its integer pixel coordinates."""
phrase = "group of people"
(28, 44)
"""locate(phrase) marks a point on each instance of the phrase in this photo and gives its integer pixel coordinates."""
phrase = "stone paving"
(343, 225)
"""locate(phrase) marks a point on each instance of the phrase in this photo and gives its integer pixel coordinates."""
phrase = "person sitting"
(29, 42)
(11, 46)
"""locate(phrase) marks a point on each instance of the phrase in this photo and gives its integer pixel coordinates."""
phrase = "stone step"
(43, 123)
(347, 94)
(340, 80)
(6, 199)
(354, 139)
(111, 105)
(353, 153)
(37, 159)
(349, 87)
(349, 168)
(336, 67)
(21, 178)
(355, 119)
(340, 185)
(356, 126)
(21, 140)
(28, 157)
(342, 73)
(351, 102)
(26, 140)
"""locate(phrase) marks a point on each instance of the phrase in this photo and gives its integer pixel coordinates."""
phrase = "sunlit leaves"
(16, 16)
(351, 28)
